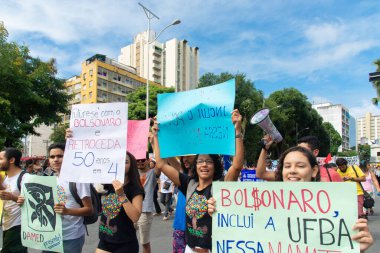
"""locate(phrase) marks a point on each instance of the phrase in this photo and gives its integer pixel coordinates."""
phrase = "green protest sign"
(284, 217)
(41, 227)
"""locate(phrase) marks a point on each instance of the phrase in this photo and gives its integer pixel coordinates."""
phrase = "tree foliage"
(248, 100)
(30, 93)
(137, 101)
(376, 84)
(58, 134)
(364, 152)
(334, 137)
(295, 118)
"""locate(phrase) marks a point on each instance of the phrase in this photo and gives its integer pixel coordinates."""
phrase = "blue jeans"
(71, 246)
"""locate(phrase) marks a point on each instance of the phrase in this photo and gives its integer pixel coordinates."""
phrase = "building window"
(90, 94)
(84, 76)
(378, 153)
(90, 72)
(84, 86)
(90, 84)
(83, 97)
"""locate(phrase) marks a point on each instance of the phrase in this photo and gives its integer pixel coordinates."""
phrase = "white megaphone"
(262, 119)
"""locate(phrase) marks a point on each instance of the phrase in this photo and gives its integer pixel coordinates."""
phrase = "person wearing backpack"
(198, 188)
(121, 208)
(73, 227)
(9, 191)
(353, 174)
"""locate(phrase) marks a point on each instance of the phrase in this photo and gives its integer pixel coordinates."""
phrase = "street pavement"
(161, 234)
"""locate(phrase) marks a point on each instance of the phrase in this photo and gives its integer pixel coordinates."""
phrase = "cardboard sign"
(41, 227)
(96, 153)
(137, 140)
(284, 217)
(197, 121)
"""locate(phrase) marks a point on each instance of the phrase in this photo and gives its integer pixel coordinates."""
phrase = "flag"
(328, 158)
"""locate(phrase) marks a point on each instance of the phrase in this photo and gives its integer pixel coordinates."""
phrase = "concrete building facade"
(171, 64)
(368, 132)
(339, 117)
(103, 80)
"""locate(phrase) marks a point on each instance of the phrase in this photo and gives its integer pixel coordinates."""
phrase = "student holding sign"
(73, 228)
(121, 207)
(198, 188)
(298, 164)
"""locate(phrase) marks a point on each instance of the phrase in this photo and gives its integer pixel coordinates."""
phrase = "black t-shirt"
(198, 221)
(115, 225)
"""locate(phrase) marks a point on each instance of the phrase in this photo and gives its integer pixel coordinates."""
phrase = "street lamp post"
(150, 15)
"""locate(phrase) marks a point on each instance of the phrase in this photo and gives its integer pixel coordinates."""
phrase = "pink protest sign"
(137, 137)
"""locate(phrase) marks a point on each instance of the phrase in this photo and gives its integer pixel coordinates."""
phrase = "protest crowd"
(183, 184)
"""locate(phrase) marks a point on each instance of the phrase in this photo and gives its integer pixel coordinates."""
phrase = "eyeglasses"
(54, 156)
(208, 162)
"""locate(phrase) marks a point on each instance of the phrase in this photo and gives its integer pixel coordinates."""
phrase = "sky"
(323, 48)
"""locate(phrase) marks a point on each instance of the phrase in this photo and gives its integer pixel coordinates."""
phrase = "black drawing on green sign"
(41, 215)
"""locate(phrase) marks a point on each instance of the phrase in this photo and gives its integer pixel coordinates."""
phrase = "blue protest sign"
(249, 175)
(197, 121)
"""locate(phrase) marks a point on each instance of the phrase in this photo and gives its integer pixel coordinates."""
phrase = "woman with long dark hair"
(121, 207)
(198, 188)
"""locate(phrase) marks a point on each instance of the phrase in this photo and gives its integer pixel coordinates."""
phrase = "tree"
(248, 100)
(376, 84)
(59, 132)
(364, 152)
(30, 94)
(347, 153)
(296, 118)
(334, 137)
(137, 101)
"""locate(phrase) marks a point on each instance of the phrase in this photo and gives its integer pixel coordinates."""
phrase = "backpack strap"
(74, 192)
(353, 167)
(328, 173)
(19, 179)
(191, 188)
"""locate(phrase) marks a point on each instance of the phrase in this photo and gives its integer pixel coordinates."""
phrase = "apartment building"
(339, 116)
(171, 64)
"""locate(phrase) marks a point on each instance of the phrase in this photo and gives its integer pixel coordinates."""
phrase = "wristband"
(239, 136)
(262, 144)
(125, 200)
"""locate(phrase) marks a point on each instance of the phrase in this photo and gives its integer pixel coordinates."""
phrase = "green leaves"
(137, 102)
(30, 94)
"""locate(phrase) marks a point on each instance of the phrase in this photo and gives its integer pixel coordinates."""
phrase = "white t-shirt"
(72, 226)
(163, 179)
(12, 212)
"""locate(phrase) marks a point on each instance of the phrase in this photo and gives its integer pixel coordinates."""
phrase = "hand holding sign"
(197, 121)
(96, 153)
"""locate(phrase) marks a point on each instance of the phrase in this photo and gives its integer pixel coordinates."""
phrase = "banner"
(249, 175)
(41, 227)
(197, 121)
(96, 153)
(137, 139)
(284, 217)
(351, 160)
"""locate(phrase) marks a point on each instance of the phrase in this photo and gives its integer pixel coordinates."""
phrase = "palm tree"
(376, 84)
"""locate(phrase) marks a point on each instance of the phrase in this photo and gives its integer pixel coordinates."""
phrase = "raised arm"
(238, 160)
(132, 209)
(374, 180)
(261, 171)
(161, 164)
